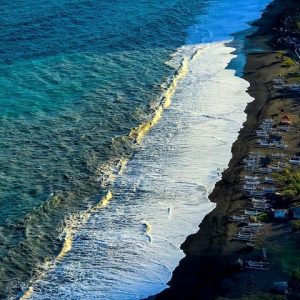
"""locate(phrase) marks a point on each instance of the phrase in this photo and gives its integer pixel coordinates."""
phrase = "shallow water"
(76, 77)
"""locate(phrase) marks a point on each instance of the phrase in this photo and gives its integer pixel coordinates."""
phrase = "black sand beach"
(209, 270)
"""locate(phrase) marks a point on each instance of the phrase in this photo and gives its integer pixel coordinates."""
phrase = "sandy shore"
(209, 269)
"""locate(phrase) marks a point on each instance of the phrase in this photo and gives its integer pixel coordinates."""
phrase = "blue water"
(75, 77)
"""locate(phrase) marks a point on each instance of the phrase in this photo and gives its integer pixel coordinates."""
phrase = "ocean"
(117, 119)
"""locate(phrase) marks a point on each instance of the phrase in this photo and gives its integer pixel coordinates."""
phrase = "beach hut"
(296, 213)
(280, 214)
(286, 120)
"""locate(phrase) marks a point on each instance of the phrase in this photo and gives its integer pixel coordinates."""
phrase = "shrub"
(291, 182)
(296, 274)
(296, 225)
(263, 217)
(287, 62)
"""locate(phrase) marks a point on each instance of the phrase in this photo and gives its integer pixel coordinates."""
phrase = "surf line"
(79, 220)
(139, 132)
(75, 222)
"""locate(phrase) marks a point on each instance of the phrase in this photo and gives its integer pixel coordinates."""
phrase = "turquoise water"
(75, 78)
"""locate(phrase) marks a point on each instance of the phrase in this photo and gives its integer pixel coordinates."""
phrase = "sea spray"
(77, 221)
(148, 231)
(27, 294)
(139, 132)
(108, 171)
(73, 223)
(183, 70)
(67, 245)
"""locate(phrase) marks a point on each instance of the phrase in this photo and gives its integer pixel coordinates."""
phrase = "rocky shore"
(210, 269)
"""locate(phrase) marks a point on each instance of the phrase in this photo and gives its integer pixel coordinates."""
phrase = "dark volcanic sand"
(207, 270)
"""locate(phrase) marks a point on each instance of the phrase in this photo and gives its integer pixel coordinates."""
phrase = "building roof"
(280, 213)
(296, 212)
(286, 120)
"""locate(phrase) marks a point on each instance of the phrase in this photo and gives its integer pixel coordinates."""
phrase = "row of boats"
(260, 184)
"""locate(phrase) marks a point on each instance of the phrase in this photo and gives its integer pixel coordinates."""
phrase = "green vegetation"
(279, 54)
(287, 62)
(293, 77)
(289, 258)
(296, 273)
(263, 217)
(296, 225)
(291, 182)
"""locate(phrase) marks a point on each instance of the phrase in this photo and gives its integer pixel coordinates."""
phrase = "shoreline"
(207, 271)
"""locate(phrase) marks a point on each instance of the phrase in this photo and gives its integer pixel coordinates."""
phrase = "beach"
(209, 269)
